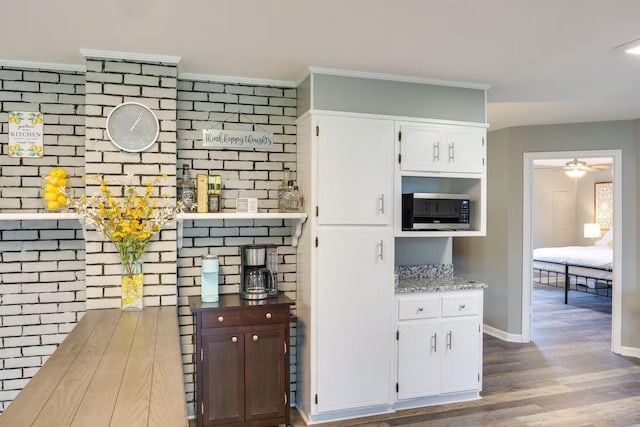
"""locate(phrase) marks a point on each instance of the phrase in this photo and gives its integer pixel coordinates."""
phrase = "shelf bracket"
(296, 230)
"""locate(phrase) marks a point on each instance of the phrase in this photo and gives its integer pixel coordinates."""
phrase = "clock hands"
(136, 122)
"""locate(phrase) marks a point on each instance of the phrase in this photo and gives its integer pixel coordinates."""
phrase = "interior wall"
(485, 258)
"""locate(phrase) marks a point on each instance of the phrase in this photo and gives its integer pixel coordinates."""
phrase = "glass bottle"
(214, 189)
(282, 189)
(186, 190)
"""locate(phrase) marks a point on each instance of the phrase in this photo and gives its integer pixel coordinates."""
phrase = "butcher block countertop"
(115, 368)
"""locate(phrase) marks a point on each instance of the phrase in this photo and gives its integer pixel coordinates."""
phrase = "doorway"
(528, 238)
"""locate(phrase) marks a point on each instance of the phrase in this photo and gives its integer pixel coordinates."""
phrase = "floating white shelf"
(297, 218)
(37, 216)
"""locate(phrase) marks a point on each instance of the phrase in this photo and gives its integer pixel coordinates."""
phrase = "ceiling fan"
(576, 168)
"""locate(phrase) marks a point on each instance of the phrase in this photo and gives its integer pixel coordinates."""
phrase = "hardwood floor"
(565, 377)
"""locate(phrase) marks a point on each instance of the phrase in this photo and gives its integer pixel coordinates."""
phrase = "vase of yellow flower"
(130, 222)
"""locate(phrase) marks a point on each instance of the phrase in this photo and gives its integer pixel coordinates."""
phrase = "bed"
(578, 268)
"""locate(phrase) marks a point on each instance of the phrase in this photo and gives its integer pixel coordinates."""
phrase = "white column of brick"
(109, 83)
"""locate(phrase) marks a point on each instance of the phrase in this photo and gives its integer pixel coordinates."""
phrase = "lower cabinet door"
(462, 358)
(419, 349)
(264, 375)
(223, 367)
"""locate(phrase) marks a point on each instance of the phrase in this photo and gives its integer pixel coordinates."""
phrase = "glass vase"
(131, 284)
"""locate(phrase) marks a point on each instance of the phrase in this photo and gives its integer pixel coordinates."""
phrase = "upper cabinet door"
(466, 149)
(422, 148)
(442, 148)
(355, 170)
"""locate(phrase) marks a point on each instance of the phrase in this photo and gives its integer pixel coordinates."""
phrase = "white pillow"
(606, 239)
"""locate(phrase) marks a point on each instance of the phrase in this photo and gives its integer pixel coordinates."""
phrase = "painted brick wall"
(42, 262)
(253, 173)
(109, 83)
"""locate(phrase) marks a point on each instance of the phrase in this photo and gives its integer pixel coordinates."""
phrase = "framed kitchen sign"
(236, 139)
(26, 134)
(603, 204)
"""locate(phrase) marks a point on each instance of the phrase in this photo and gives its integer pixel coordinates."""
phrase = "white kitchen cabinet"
(345, 262)
(441, 148)
(353, 318)
(355, 170)
(439, 344)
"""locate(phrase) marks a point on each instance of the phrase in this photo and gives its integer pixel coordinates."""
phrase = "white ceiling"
(546, 61)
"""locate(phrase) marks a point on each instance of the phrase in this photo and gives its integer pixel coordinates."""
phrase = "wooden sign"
(26, 134)
(236, 139)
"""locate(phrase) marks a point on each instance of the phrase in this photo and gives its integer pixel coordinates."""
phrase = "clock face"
(132, 127)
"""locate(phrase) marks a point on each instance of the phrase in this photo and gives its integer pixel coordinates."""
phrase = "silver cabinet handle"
(452, 156)
(255, 338)
(381, 250)
(434, 343)
(381, 203)
(449, 340)
(234, 339)
(436, 151)
(220, 319)
(268, 315)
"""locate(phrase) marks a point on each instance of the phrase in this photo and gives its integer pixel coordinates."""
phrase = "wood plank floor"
(565, 377)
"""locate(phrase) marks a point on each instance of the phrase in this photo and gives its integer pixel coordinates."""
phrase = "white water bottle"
(209, 278)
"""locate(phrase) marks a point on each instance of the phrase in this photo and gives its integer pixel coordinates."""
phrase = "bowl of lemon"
(53, 190)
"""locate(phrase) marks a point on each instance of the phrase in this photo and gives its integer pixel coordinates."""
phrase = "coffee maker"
(258, 271)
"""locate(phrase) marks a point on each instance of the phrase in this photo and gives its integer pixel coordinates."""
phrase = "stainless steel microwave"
(435, 211)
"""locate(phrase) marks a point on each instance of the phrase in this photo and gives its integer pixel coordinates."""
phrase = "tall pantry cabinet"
(345, 265)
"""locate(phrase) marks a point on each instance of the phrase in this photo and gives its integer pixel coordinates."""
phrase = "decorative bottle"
(282, 189)
(186, 190)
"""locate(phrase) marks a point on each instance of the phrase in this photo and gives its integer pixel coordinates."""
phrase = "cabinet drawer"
(252, 316)
(462, 305)
(419, 308)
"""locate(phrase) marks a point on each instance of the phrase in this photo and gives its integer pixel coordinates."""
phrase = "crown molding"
(236, 79)
(51, 66)
(130, 56)
(395, 77)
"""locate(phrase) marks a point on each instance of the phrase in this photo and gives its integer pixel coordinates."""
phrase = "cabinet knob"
(234, 339)
(420, 309)
(255, 338)
(462, 306)
(268, 315)
(220, 319)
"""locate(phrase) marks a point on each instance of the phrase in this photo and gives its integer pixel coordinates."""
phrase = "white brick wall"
(43, 288)
(207, 105)
(111, 82)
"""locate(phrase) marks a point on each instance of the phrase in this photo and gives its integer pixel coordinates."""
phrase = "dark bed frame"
(550, 278)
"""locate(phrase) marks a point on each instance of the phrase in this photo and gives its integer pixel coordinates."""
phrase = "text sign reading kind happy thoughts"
(237, 139)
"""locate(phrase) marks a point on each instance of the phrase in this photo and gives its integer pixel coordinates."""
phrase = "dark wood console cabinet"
(242, 361)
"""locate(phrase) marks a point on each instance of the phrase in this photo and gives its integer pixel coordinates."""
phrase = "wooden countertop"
(234, 301)
(115, 368)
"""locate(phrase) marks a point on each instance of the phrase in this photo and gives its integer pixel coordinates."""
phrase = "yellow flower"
(131, 221)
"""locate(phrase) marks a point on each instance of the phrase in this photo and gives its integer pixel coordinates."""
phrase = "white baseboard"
(630, 351)
(502, 335)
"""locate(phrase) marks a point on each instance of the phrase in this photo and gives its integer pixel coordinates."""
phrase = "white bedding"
(584, 256)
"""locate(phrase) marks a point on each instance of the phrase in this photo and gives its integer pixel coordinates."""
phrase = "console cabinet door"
(223, 377)
(354, 295)
(265, 358)
(355, 170)
(462, 354)
(419, 350)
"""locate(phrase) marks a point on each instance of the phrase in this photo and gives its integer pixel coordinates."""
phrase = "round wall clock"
(132, 127)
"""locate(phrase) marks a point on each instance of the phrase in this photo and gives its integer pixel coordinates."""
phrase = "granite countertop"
(435, 284)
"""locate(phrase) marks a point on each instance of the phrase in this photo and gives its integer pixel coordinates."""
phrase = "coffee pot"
(258, 271)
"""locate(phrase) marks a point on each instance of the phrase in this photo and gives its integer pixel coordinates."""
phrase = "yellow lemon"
(53, 205)
(61, 173)
(50, 197)
(62, 182)
(62, 199)
(50, 188)
(52, 180)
